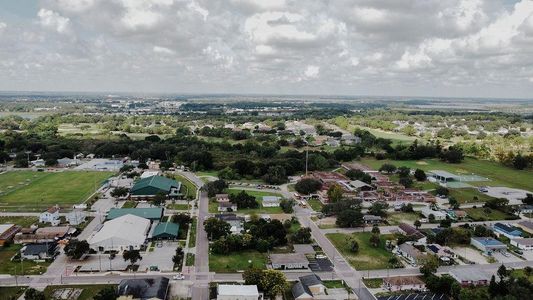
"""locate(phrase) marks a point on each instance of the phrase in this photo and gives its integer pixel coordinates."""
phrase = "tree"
(273, 283)
(388, 168)
(417, 224)
(452, 155)
(33, 294)
(497, 203)
(420, 175)
(378, 208)
(375, 229)
(107, 293)
(252, 276)
(182, 219)
(520, 162)
(403, 171)
(244, 200)
(429, 265)
(354, 245)
(119, 192)
(275, 175)
(302, 236)
(287, 205)
(215, 187)
(446, 223)
(375, 240)
(356, 174)
(177, 259)
(503, 272)
(528, 199)
(75, 249)
(474, 294)
(349, 218)
(132, 255)
(335, 193)
(431, 218)
(216, 228)
(453, 203)
(159, 198)
(442, 191)
(307, 186)
(406, 181)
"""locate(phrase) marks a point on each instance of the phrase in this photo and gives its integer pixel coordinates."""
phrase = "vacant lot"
(213, 206)
(469, 195)
(63, 188)
(483, 214)
(19, 220)
(315, 204)
(237, 261)
(16, 267)
(500, 175)
(396, 218)
(368, 257)
(88, 290)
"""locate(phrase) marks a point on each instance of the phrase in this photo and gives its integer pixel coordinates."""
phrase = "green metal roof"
(158, 182)
(153, 213)
(166, 228)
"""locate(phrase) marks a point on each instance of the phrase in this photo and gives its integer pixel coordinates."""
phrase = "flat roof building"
(470, 276)
(487, 244)
(289, 261)
(235, 291)
(146, 288)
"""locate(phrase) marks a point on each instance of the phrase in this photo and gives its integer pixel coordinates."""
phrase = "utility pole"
(306, 157)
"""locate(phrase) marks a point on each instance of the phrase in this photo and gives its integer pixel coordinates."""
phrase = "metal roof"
(152, 213)
(159, 182)
(166, 228)
(442, 173)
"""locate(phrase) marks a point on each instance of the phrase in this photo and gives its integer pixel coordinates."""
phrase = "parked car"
(178, 276)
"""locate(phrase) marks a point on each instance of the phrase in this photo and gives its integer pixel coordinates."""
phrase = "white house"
(439, 215)
(51, 215)
(238, 292)
(76, 217)
(523, 244)
(38, 163)
(271, 201)
(123, 233)
(227, 206)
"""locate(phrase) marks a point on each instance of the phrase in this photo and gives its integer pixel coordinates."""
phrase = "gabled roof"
(151, 213)
(166, 228)
(128, 229)
(310, 280)
(36, 249)
(147, 288)
(159, 182)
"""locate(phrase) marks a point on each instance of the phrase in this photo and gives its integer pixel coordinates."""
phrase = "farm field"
(368, 257)
(233, 262)
(62, 188)
(213, 206)
(499, 175)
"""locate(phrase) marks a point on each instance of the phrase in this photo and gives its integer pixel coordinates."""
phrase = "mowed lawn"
(236, 261)
(213, 206)
(368, 257)
(498, 174)
(15, 267)
(62, 188)
(188, 188)
(469, 195)
(479, 214)
(11, 181)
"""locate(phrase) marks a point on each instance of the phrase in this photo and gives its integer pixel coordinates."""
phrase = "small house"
(227, 207)
(427, 212)
(76, 217)
(308, 287)
(410, 253)
(270, 201)
(146, 288)
(371, 219)
(289, 261)
(165, 231)
(51, 215)
(222, 198)
(39, 251)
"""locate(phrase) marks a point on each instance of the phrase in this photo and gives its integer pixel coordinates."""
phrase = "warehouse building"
(123, 233)
(150, 213)
(148, 187)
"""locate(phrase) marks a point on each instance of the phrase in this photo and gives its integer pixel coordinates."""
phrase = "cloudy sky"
(470, 48)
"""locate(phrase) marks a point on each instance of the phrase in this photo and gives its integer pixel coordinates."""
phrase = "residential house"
(523, 244)
(488, 244)
(410, 253)
(444, 253)
(470, 276)
(270, 201)
(39, 251)
(526, 209)
(359, 185)
(332, 142)
(350, 139)
(38, 163)
(427, 212)
(227, 207)
(123, 233)
(411, 231)
(76, 217)
(234, 221)
(143, 289)
(289, 261)
(42, 235)
(222, 198)
(308, 287)
(238, 292)
(403, 283)
(371, 219)
(51, 215)
(148, 187)
(506, 230)
(7, 232)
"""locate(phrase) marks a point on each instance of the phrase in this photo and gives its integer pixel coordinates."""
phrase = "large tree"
(350, 218)
(132, 255)
(307, 186)
(273, 283)
(216, 228)
(75, 249)
(335, 193)
(107, 293)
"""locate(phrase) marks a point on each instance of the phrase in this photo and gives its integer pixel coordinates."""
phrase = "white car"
(178, 276)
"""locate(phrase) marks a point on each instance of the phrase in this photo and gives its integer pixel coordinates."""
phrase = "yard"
(315, 204)
(47, 189)
(188, 188)
(479, 214)
(11, 292)
(129, 204)
(16, 267)
(368, 257)
(396, 218)
(19, 220)
(213, 206)
(88, 292)
(233, 262)
(500, 175)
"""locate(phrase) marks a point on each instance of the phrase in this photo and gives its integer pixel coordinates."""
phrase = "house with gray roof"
(144, 289)
(289, 261)
(308, 287)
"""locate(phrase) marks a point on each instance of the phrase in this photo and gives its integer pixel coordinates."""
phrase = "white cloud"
(53, 20)
(162, 50)
(312, 72)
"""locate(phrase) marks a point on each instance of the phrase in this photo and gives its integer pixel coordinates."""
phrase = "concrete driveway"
(514, 196)
(504, 259)
(160, 257)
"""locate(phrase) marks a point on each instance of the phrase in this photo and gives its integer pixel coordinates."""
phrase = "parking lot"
(505, 259)
(160, 257)
(471, 254)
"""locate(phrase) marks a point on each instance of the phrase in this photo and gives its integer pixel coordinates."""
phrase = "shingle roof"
(151, 213)
(146, 288)
(159, 182)
(166, 228)
(36, 249)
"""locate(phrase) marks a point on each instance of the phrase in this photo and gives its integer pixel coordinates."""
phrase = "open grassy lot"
(62, 188)
(368, 257)
(236, 261)
(12, 292)
(469, 195)
(11, 181)
(188, 188)
(192, 235)
(315, 204)
(498, 174)
(479, 214)
(15, 267)
(189, 260)
(176, 206)
(396, 218)
(520, 273)
(213, 206)
(19, 220)
(89, 290)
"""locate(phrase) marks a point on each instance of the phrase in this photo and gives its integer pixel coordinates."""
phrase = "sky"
(452, 48)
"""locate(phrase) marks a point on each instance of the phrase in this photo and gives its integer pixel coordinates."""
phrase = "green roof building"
(150, 186)
(166, 231)
(152, 213)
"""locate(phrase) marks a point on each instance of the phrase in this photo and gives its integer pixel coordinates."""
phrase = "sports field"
(498, 174)
(34, 191)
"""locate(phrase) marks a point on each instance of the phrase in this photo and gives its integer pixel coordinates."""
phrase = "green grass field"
(188, 188)
(176, 206)
(213, 206)
(478, 214)
(88, 292)
(11, 292)
(396, 218)
(16, 267)
(236, 261)
(498, 174)
(467, 195)
(192, 234)
(129, 204)
(62, 188)
(368, 257)
(315, 204)
(19, 220)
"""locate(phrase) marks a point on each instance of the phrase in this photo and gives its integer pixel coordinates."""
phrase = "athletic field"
(34, 191)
